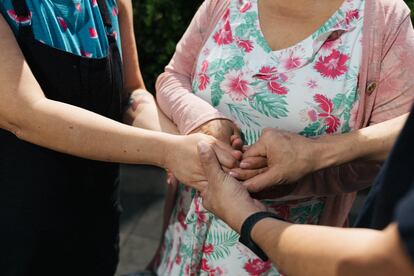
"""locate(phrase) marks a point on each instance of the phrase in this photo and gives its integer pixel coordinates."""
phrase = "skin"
(339, 251)
(290, 156)
(285, 23)
(26, 112)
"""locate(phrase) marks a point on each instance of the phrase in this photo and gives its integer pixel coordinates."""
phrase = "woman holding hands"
(65, 78)
(314, 69)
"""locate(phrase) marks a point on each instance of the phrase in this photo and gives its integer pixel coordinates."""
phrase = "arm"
(141, 109)
(332, 251)
(292, 156)
(321, 250)
(25, 111)
(174, 86)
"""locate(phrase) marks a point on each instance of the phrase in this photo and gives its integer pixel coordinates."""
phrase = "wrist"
(168, 145)
(326, 152)
(336, 150)
(237, 216)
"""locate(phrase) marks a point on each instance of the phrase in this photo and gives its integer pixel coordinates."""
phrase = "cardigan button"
(371, 87)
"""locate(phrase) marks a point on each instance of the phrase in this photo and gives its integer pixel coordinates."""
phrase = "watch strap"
(246, 229)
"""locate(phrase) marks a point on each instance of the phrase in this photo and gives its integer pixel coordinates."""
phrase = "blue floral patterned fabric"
(74, 26)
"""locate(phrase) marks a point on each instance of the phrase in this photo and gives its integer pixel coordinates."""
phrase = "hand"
(182, 158)
(225, 196)
(249, 167)
(223, 130)
(289, 158)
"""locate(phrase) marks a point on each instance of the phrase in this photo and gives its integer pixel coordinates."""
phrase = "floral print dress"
(309, 88)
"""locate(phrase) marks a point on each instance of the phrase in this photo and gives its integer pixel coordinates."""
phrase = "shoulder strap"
(103, 8)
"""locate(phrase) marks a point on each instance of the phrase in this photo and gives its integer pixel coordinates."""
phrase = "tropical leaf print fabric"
(309, 88)
(74, 26)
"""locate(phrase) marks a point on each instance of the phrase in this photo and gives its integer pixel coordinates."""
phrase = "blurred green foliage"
(410, 3)
(159, 24)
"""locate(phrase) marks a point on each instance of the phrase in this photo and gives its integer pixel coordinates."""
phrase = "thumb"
(209, 162)
(261, 182)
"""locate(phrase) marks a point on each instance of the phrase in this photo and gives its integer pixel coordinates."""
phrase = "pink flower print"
(328, 45)
(224, 36)
(62, 23)
(324, 103)
(247, 45)
(19, 19)
(181, 220)
(267, 73)
(88, 55)
(206, 52)
(333, 65)
(312, 84)
(292, 62)
(283, 77)
(276, 88)
(114, 11)
(204, 265)
(208, 249)
(282, 211)
(331, 122)
(93, 33)
(226, 15)
(201, 215)
(312, 115)
(236, 86)
(94, 3)
(178, 259)
(245, 7)
(203, 78)
(78, 7)
(351, 15)
(256, 267)
(114, 34)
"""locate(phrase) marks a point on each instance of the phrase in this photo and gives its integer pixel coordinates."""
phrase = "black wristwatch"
(246, 229)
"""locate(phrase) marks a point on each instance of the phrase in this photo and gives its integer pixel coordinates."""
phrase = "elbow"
(21, 122)
(161, 95)
(13, 127)
(159, 84)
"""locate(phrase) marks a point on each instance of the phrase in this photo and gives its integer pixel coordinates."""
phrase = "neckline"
(320, 33)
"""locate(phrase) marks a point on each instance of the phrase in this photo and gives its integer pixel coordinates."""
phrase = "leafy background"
(159, 24)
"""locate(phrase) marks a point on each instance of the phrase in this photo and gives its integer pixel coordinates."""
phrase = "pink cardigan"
(386, 89)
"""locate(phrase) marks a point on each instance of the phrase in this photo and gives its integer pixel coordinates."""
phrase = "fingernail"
(244, 165)
(233, 174)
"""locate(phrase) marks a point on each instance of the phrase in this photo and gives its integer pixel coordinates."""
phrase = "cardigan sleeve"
(394, 97)
(395, 92)
(174, 86)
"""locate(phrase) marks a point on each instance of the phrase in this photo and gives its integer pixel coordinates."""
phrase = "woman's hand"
(289, 158)
(225, 196)
(182, 158)
(223, 130)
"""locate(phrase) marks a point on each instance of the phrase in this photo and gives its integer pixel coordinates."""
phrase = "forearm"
(372, 143)
(76, 131)
(143, 112)
(316, 250)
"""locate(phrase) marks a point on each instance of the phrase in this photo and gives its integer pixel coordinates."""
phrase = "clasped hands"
(278, 157)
